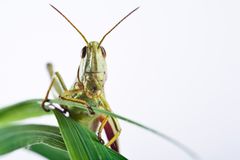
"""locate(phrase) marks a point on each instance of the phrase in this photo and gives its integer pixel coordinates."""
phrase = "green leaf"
(184, 148)
(20, 111)
(50, 152)
(31, 108)
(82, 143)
(18, 136)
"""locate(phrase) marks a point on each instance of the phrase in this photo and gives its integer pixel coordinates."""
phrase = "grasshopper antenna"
(84, 38)
(116, 25)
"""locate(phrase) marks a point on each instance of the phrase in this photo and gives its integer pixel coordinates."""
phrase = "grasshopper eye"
(84, 52)
(103, 52)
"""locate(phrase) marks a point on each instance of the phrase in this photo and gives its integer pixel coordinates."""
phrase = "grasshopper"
(88, 89)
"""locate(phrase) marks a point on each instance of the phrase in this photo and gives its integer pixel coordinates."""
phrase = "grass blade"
(82, 143)
(18, 136)
(20, 111)
(50, 152)
(184, 148)
(31, 108)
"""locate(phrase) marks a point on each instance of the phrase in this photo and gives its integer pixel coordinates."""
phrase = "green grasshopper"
(87, 90)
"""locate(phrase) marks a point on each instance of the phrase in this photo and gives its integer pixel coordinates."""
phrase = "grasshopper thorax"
(93, 69)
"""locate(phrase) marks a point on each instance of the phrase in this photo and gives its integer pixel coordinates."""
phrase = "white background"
(173, 65)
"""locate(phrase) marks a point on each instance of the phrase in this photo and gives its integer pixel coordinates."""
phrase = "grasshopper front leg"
(65, 97)
(59, 86)
(84, 103)
(55, 79)
(56, 82)
(62, 90)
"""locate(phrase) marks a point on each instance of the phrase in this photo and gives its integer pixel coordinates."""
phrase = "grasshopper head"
(93, 69)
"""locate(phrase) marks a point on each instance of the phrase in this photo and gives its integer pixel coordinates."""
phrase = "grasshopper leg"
(61, 88)
(104, 122)
(89, 108)
(116, 127)
(58, 84)
(51, 106)
(46, 97)
(112, 120)
(114, 138)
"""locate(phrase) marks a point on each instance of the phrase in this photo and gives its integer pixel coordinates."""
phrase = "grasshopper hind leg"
(112, 130)
(110, 125)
